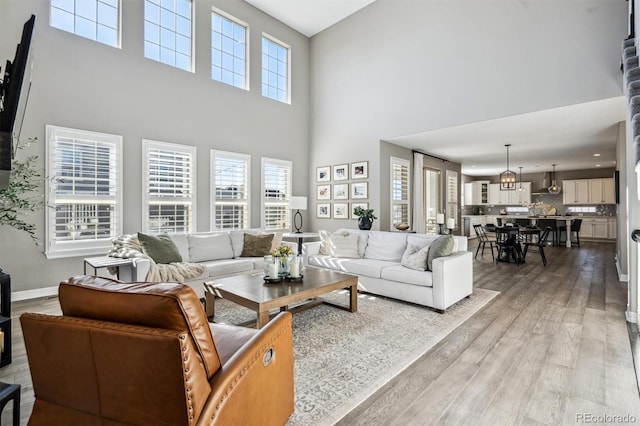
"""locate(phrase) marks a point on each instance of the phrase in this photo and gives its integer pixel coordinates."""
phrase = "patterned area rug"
(342, 358)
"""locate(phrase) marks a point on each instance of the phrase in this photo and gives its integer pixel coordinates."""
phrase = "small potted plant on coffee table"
(365, 217)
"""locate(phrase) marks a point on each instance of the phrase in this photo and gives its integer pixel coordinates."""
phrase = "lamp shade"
(440, 218)
(451, 223)
(298, 203)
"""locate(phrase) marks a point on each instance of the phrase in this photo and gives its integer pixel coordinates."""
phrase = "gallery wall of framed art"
(340, 188)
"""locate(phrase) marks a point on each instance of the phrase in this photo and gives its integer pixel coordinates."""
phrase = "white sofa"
(379, 270)
(219, 252)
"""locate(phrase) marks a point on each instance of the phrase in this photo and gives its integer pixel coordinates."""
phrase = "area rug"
(342, 358)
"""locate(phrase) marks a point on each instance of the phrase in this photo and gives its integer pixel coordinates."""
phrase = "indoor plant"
(365, 217)
(283, 253)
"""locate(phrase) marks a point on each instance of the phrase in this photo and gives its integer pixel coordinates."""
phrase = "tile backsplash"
(554, 200)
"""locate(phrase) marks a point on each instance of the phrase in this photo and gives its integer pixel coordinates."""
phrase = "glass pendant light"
(554, 188)
(520, 187)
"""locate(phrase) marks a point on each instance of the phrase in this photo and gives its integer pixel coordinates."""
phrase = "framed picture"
(323, 174)
(341, 211)
(360, 170)
(323, 192)
(341, 191)
(341, 172)
(354, 205)
(359, 190)
(323, 211)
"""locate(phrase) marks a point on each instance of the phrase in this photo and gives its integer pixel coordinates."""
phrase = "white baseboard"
(632, 317)
(16, 296)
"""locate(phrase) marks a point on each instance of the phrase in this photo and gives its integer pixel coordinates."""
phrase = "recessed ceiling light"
(596, 155)
(598, 165)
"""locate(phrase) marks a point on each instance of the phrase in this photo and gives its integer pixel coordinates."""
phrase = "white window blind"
(84, 191)
(230, 184)
(168, 32)
(276, 193)
(97, 20)
(169, 185)
(400, 190)
(452, 195)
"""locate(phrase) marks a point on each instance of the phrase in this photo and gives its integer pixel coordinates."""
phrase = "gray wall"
(83, 84)
(622, 231)
(399, 67)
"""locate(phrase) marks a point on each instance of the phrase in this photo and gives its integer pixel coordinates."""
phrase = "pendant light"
(520, 188)
(554, 188)
(507, 178)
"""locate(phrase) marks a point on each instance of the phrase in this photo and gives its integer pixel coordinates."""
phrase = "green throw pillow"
(160, 248)
(442, 246)
(256, 245)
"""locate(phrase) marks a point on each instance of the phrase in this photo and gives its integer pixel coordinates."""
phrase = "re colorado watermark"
(605, 418)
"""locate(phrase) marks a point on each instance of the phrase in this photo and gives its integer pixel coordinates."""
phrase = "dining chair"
(539, 245)
(483, 240)
(507, 241)
(575, 229)
(553, 224)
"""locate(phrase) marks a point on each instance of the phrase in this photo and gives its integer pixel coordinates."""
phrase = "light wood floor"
(552, 345)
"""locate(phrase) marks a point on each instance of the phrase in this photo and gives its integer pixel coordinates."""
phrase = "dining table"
(509, 240)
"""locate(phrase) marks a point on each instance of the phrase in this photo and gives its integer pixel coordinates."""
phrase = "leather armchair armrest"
(255, 386)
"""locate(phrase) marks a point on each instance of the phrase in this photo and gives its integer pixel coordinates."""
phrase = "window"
(276, 193)
(275, 69)
(585, 209)
(513, 209)
(97, 20)
(230, 182)
(451, 208)
(84, 191)
(167, 32)
(228, 50)
(400, 191)
(169, 185)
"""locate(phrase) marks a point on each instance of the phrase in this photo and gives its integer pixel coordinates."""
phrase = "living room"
(394, 68)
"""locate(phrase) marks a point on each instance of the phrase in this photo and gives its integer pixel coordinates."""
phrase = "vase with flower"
(283, 255)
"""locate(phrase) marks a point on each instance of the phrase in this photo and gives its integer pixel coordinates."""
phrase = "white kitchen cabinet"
(594, 228)
(468, 194)
(494, 194)
(588, 191)
(480, 192)
(612, 230)
(509, 198)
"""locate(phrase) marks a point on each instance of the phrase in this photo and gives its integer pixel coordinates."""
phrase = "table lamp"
(297, 204)
(451, 223)
(440, 222)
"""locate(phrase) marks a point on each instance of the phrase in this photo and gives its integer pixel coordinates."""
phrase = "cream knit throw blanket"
(128, 246)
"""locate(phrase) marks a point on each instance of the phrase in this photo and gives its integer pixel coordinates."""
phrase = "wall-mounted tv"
(14, 93)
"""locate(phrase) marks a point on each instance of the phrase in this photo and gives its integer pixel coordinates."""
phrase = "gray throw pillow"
(414, 258)
(441, 247)
(160, 248)
(256, 245)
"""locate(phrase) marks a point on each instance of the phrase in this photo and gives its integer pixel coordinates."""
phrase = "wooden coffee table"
(250, 291)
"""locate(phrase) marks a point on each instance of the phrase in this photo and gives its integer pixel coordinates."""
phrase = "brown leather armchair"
(144, 353)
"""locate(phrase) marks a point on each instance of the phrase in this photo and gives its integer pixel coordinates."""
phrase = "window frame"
(392, 202)
(233, 19)
(212, 215)
(62, 249)
(117, 45)
(147, 145)
(192, 38)
(286, 46)
(263, 203)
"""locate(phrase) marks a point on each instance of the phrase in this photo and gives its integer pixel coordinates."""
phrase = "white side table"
(106, 262)
(300, 236)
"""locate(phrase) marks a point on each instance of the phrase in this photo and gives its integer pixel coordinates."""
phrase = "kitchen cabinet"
(468, 194)
(612, 230)
(594, 228)
(480, 192)
(588, 191)
(509, 198)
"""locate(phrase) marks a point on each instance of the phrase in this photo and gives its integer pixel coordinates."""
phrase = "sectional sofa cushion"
(399, 273)
(386, 246)
(443, 246)
(366, 267)
(217, 268)
(160, 248)
(210, 247)
(256, 245)
(345, 246)
(182, 242)
(414, 258)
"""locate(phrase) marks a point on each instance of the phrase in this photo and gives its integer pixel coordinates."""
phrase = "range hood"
(542, 187)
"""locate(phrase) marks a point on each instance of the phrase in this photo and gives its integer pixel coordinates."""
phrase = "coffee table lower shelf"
(251, 292)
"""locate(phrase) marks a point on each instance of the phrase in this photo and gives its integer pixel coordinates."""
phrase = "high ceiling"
(573, 137)
(309, 17)
(569, 137)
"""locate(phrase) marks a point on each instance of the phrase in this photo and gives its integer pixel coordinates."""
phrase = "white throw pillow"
(344, 246)
(325, 240)
(210, 247)
(386, 246)
(414, 258)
